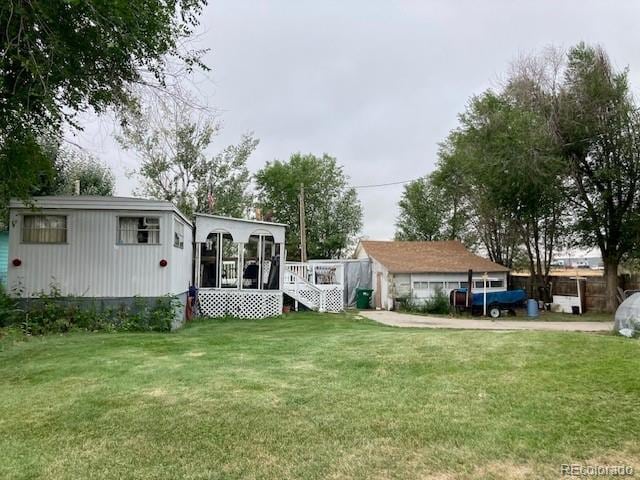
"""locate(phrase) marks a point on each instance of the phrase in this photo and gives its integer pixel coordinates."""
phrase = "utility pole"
(303, 228)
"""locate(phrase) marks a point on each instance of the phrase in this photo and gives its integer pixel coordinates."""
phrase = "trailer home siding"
(4, 257)
(92, 262)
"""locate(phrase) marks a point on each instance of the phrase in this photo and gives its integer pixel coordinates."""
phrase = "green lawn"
(316, 396)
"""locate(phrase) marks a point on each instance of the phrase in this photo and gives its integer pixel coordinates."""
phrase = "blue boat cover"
(509, 297)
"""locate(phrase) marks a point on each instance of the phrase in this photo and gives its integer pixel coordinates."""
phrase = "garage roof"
(449, 256)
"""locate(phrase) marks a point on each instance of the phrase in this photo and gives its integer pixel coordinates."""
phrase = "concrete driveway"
(396, 319)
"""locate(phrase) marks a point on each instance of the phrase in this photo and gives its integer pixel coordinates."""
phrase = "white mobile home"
(99, 247)
(418, 269)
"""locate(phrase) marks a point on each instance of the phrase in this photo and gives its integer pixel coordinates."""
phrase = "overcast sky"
(376, 84)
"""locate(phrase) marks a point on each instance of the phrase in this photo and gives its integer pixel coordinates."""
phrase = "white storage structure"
(239, 266)
(99, 247)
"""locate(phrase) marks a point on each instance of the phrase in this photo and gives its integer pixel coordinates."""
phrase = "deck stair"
(301, 284)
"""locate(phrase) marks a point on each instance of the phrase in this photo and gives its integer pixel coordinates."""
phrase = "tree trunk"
(611, 281)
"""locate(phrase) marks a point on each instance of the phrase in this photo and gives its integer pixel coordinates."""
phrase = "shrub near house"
(53, 313)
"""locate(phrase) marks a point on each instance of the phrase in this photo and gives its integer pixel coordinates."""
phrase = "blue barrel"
(532, 308)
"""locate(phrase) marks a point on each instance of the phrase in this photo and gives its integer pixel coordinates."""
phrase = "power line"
(386, 184)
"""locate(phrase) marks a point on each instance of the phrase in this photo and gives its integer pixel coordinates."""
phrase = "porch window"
(44, 229)
(258, 271)
(229, 262)
(209, 261)
(420, 285)
(270, 259)
(251, 265)
(251, 269)
(138, 230)
(496, 284)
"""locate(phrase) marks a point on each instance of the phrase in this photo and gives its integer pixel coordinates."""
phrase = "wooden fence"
(594, 288)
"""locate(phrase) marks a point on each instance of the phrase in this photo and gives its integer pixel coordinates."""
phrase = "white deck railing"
(320, 273)
(318, 286)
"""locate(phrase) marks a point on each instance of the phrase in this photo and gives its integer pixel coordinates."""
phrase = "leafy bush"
(438, 304)
(9, 311)
(53, 313)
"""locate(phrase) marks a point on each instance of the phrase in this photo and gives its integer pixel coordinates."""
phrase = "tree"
(501, 138)
(171, 139)
(462, 169)
(554, 155)
(59, 57)
(598, 128)
(428, 212)
(332, 210)
(94, 177)
(60, 168)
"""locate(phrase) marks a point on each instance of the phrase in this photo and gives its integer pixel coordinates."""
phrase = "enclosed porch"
(241, 271)
(238, 266)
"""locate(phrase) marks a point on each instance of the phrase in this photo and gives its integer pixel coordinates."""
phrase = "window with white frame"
(490, 283)
(178, 234)
(138, 230)
(44, 229)
(420, 285)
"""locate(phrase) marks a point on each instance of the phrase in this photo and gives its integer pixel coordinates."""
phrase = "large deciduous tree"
(333, 211)
(599, 130)
(171, 142)
(552, 157)
(507, 153)
(429, 212)
(92, 176)
(59, 57)
(463, 167)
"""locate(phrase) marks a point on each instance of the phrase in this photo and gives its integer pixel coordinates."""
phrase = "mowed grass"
(521, 315)
(316, 396)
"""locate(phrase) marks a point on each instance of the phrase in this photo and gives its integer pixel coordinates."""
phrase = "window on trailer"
(178, 234)
(44, 229)
(138, 230)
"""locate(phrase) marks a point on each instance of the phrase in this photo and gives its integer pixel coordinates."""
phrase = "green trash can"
(363, 298)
